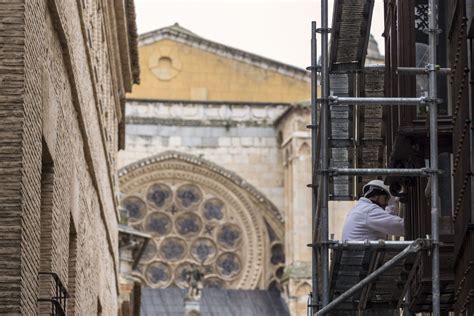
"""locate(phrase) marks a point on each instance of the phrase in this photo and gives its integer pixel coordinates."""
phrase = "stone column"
(296, 151)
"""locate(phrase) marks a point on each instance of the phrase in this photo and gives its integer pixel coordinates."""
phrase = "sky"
(276, 29)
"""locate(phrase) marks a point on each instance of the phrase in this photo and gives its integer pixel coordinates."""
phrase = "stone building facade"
(64, 70)
(203, 170)
(215, 167)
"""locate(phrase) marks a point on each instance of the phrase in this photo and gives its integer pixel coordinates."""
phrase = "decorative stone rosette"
(198, 217)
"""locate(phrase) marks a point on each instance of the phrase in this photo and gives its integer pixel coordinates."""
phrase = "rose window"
(158, 273)
(189, 227)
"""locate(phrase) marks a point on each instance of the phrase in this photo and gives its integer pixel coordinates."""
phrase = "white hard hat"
(376, 184)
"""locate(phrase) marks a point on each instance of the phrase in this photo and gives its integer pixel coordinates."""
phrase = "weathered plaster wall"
(172, 70)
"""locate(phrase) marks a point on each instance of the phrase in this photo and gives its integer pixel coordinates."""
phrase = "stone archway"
(198, 213)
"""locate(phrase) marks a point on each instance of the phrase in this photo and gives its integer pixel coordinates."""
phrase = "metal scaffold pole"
(432, 94)
(321, 243)
(324, 129)
(314, 161)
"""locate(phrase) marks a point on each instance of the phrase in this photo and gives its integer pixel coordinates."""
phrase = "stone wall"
(238, 137)
(296, 150)
(59, 111)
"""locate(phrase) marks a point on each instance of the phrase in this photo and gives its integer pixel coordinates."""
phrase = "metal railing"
(319, 298)
(59, 300)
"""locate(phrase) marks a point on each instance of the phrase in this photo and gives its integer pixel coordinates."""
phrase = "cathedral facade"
(216, 166)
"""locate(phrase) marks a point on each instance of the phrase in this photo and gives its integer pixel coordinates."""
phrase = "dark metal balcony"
(59, 300)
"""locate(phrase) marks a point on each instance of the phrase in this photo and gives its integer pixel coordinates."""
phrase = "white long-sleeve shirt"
(369, 221)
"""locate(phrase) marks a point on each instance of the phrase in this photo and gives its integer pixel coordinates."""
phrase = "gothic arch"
(303, 289)
(199, 213)
(304, 150)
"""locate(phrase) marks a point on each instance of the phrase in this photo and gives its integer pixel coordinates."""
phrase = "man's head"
(377, 192)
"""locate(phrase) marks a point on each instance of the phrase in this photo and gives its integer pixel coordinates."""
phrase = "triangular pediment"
(178, 64)
(182, 35)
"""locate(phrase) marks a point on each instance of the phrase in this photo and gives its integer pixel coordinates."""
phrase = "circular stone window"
(158, 224)
(278, 254)
(158, 274)
(188, 224)
(203, 250)
(213, 209)
(173, 249)
(229, 236)
(135, 207)
(228, 265)
(164, 66)
(159, 195)
(181, 273)
(189, 195)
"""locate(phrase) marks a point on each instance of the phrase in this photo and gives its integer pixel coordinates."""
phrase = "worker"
(374, 216)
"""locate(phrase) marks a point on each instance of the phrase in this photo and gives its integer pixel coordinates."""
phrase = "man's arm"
(381, 221)
(392, 207)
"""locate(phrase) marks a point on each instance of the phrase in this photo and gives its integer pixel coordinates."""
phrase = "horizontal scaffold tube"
(372, 244)
(378, 101)
(422, 71)
(373, 171)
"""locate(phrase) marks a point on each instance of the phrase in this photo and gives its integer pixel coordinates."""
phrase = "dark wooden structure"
(351, 28)
(408, 145)
(383, 297)
(397, 137)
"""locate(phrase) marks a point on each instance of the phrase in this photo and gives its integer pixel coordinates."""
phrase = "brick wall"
(51, 102)
(11, 118)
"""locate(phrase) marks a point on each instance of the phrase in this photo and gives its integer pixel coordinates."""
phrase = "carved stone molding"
(203, 113)
(199, 213)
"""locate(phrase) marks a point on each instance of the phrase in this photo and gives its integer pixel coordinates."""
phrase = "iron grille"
(59, 300)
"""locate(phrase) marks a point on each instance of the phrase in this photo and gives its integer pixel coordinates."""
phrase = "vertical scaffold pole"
(314, 160)
(324, 128)
(433, 34)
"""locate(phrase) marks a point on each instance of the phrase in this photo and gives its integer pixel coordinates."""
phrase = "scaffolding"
(319, 302)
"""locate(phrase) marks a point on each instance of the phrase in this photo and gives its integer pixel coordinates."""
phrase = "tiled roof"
(214, 302)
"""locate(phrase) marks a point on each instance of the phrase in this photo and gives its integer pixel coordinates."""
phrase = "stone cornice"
(186, 113)
(294, 107)
(233, 177)
(188, 38)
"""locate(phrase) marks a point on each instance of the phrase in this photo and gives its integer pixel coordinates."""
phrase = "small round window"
(164, 67)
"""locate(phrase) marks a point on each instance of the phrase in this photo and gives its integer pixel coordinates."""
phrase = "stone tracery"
(198, 217)
(180, 234)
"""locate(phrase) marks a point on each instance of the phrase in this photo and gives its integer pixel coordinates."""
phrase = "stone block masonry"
(59, 116)
(238, 137)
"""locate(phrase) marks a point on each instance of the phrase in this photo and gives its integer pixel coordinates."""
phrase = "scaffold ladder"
(320, 299)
